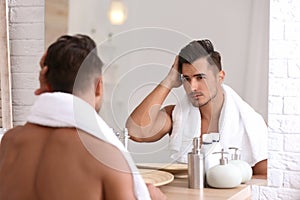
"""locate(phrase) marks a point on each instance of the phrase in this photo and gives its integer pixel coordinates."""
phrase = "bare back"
(38, 162)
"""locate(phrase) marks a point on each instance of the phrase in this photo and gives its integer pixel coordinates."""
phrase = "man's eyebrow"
(201, 74)
(195, 75)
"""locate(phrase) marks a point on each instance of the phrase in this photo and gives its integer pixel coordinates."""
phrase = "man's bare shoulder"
(105, 153)
(11, 137)
(11, 133)
(61, 153)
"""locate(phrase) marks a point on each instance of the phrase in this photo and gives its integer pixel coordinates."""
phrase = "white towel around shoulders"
(66, 110)
(186, 125)
(239, 126)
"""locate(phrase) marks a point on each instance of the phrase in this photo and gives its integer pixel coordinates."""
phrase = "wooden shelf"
(178, 189)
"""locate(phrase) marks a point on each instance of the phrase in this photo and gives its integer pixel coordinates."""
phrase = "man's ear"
(99, 87)
(221, 76)
(44, 85)
(98, 94)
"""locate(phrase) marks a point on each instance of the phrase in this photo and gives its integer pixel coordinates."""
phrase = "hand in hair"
(173, 79)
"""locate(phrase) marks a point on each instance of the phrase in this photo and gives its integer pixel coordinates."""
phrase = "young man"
(65, 150)
(209, 107)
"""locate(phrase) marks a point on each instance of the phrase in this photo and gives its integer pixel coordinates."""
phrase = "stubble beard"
(196, 103)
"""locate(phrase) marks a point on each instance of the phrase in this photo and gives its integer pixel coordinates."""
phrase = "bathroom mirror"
(139, 52)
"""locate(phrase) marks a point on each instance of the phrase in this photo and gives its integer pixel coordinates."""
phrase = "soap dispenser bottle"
(123, 137)
(196, 166)
(243, 166)
(210, 144)
(224, 175)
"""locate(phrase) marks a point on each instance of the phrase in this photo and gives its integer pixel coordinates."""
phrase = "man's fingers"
(175, 65)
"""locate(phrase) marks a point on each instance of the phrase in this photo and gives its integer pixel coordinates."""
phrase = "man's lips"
(196, 95)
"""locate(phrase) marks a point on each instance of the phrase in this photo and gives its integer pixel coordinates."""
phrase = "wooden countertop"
(178, 189)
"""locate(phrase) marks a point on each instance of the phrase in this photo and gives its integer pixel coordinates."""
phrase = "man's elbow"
(261, 168)
(136, 132)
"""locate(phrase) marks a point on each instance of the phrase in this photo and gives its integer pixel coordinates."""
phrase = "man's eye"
(184, 78)
(200, 77)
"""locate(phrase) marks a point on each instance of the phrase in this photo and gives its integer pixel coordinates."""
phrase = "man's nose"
(193, 84)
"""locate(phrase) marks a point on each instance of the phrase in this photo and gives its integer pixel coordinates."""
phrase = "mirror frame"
(5, 73)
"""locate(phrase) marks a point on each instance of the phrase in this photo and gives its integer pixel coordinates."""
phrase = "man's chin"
(198, 104)
(195, 103)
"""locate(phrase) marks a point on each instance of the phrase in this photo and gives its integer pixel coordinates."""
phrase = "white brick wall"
(26, 29)
(284, 107)
(270, 193)
(294, 67)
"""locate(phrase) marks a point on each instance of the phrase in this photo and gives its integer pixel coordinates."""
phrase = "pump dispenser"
(196, 166)
(210, 144)
(243, 166)
(224, 175)
(124, 136)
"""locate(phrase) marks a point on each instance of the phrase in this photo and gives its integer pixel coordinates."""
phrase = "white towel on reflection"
(65, 110)
(239, 126)
(186, 125)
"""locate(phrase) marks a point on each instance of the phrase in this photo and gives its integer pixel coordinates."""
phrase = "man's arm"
(260, 168)
(112, 168)
(148, 122)
(119, 185)
(155, 193)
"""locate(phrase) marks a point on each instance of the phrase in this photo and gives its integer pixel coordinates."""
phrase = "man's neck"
(212, 110)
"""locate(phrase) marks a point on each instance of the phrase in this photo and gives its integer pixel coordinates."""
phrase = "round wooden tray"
(156, 177)
(174, 168)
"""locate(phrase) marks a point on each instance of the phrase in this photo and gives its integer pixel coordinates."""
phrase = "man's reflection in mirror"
(209, 106)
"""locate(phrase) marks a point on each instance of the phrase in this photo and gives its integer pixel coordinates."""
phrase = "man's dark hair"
(70, 59)
(199, 49)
